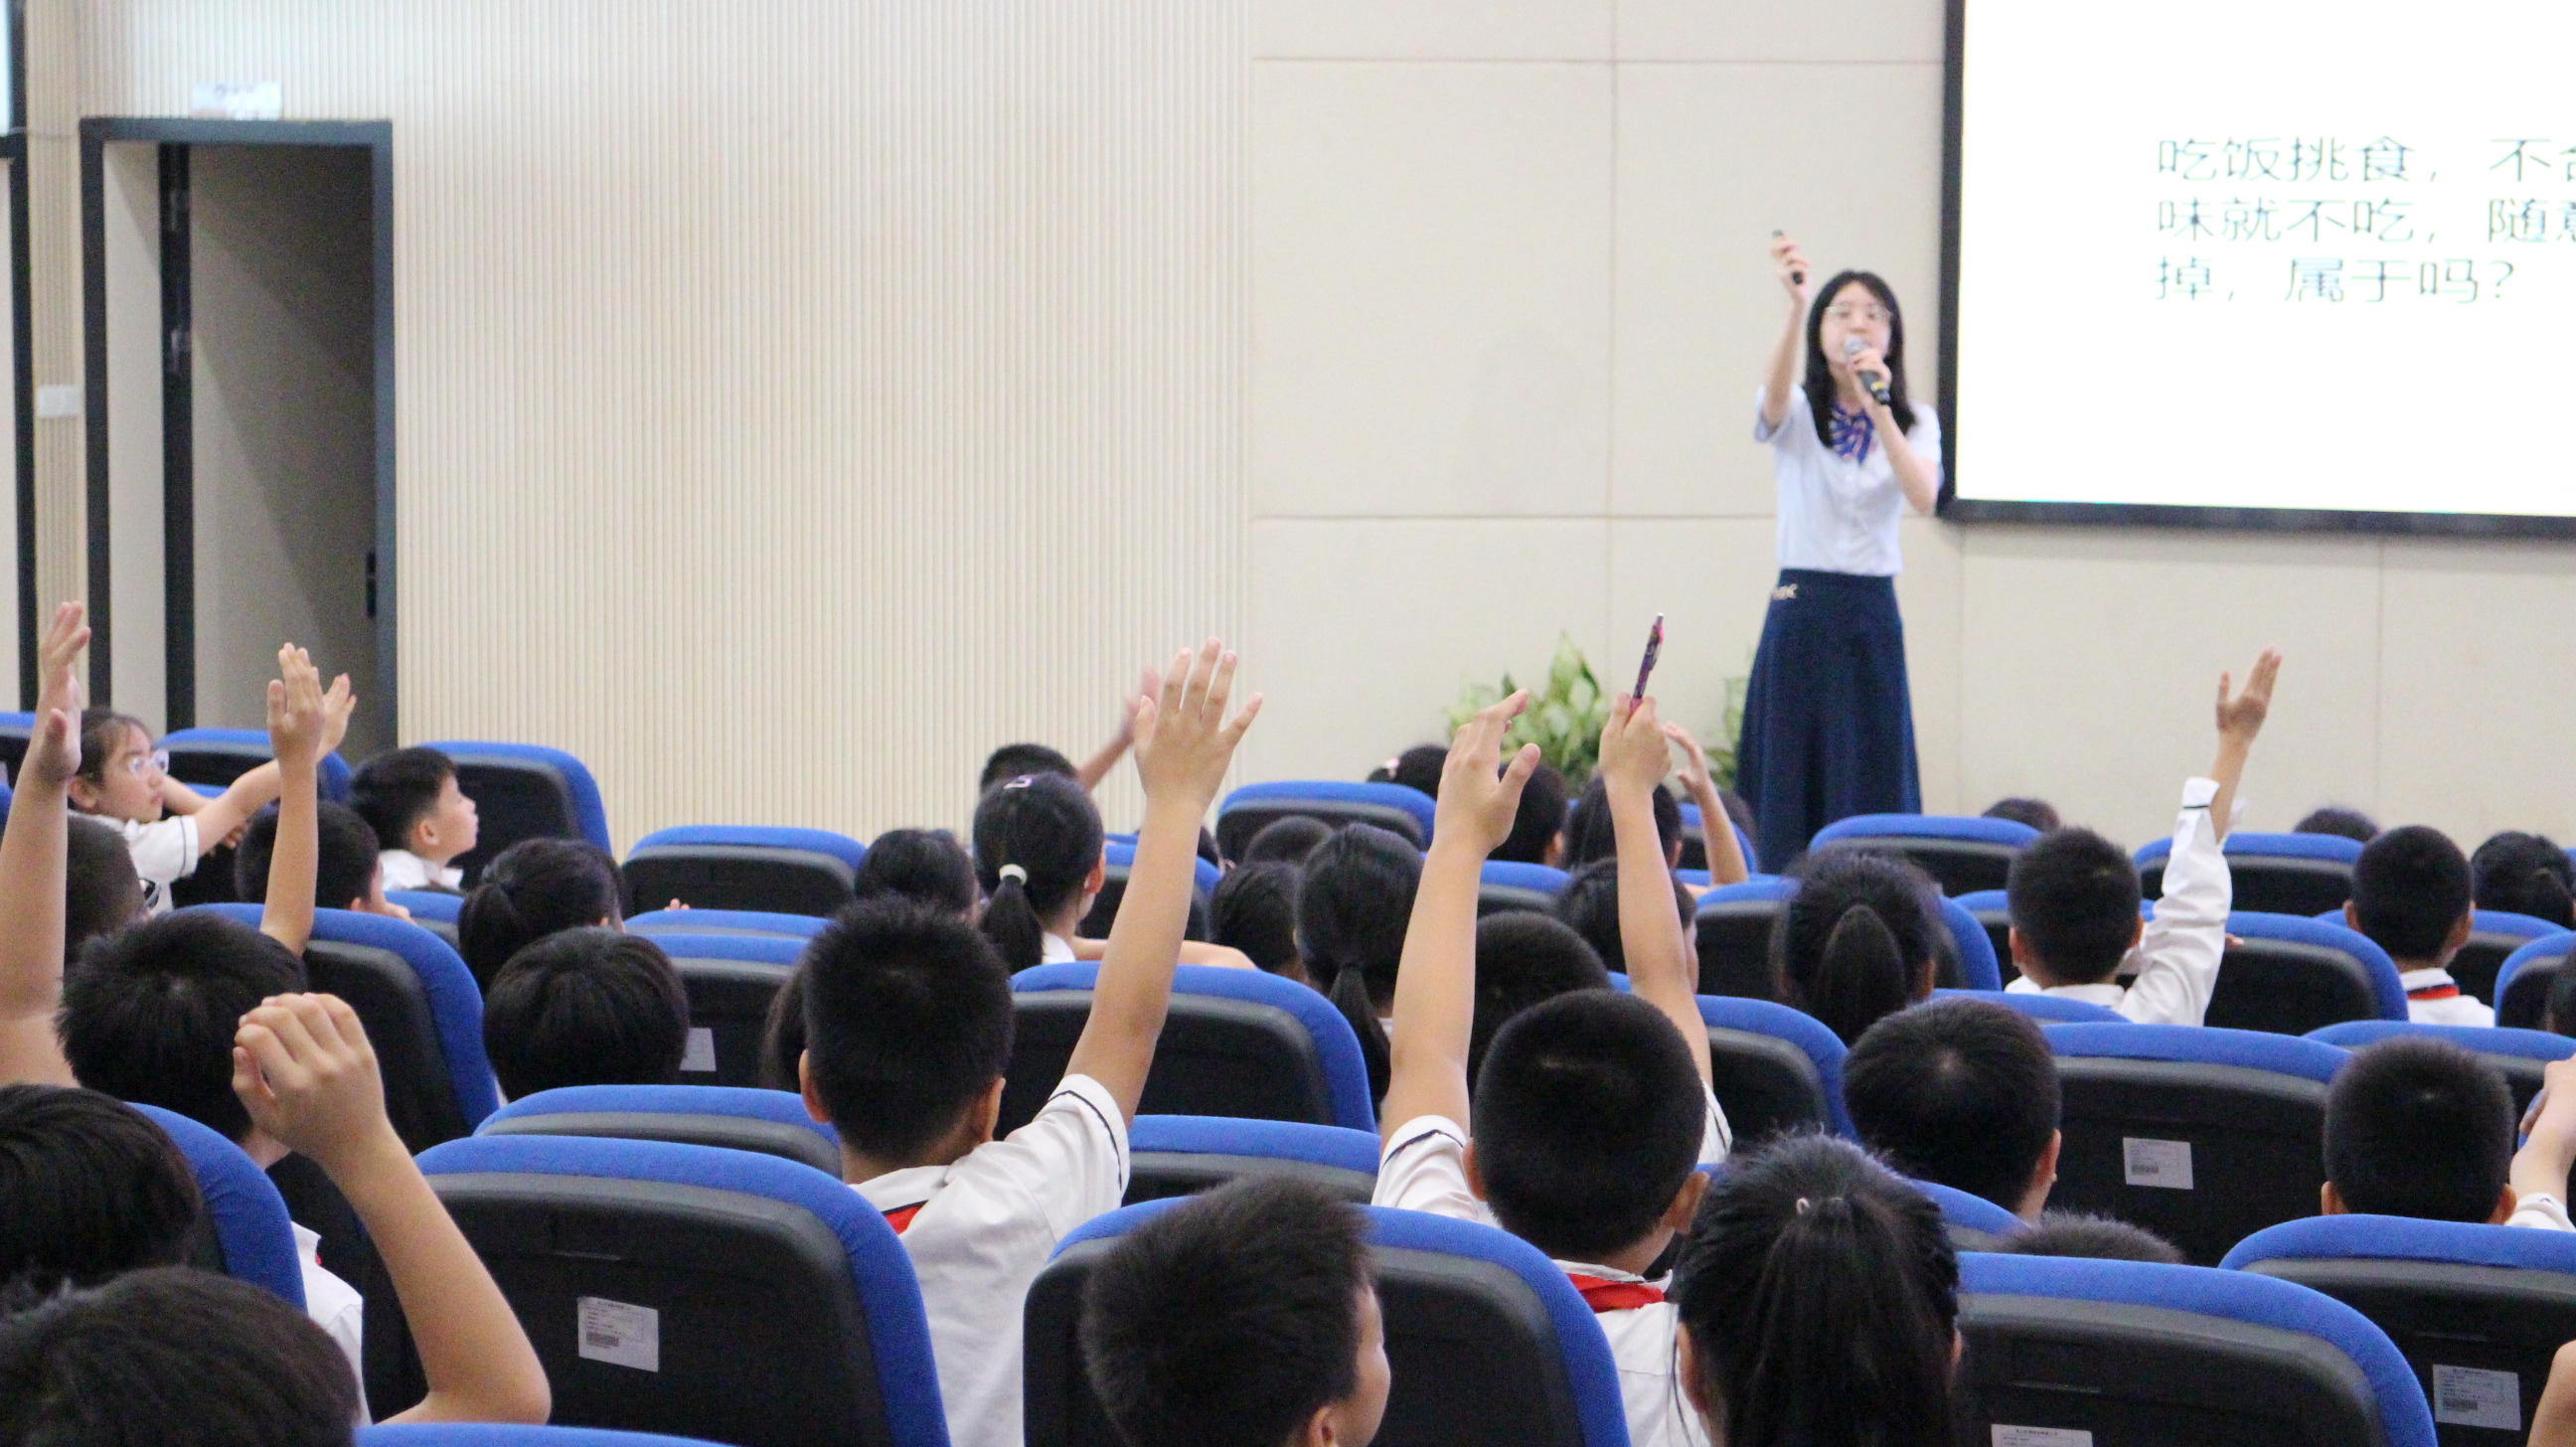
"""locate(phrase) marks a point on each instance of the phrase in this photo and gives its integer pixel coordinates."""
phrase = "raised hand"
(1184, 741)
(1479, 797)
(305, 1072)
(1635, 755)
(1796, 276)
(303, 721)
(54, 754)
(2241, 716)
(1693, 772)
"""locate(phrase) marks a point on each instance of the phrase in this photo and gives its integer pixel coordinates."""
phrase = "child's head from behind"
(1539, 822)
(2411, 894)
(907, 1030)
(410, 798)
(1286, 840)
(530, 890)
(1037, 856)
(149, 1014)
(102, 894)
(2095, 1238)
(2073, 898)
(2339, 821)
(1247, 1315)
(346, 874)
(585, 1007)
(1589, 1116)
(89, 1189)
(2418, 1127)
(927, 866)
(1354, 900)
(1523, 958)
(1856, 942)
(1416, 768)
(1589, 905)
(120, 772)
(1819, 1301)
(2039, 814)
(2524, 874)
(1012, 761)
(175, 1357)
(1589, 834)
(1962, 1093)
(1254, 909)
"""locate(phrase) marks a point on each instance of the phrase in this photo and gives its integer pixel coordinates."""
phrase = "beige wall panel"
(2478, 694)
(1713, 158)
(2091, 662)
(332, 59)
(1431, 289)
(1364, 632)
(1770, 30)
(55, 35)
(137, 601)
(1433, 29)
(1931, 595)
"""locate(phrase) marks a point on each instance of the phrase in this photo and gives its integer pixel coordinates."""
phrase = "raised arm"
(1726, 862)
(1435, 980)
(1097, 767)
(303, 1068)
(1796, 276)
(2549, 1147)
(300, 717)
(32, 864)
(1634, 757)
(2240, 718)
(1183, 744)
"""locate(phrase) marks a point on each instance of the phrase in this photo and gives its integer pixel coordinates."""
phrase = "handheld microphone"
(1876, 382)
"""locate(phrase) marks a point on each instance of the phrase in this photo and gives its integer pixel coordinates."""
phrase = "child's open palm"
(304, 723)
(2241, 717)
(1184, 741)
(1480, 799)
(54, 754)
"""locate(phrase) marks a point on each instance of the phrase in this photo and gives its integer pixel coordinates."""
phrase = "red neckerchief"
(2435, 992)
(1604, 1295)
(901, 1218)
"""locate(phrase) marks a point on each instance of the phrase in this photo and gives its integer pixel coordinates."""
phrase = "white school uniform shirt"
(406, 870)
(1424, 1169)
(2540, 1211)
(1837, 515)
(2454, 1009)
(1055, 949)
(984, 1229)
(164, 852)
(2176, 961)
(336, 1307)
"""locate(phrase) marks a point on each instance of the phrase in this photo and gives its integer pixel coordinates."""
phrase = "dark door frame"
(22, 337)
(179, 541)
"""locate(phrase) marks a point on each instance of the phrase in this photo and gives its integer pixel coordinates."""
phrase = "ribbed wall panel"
(796, 399)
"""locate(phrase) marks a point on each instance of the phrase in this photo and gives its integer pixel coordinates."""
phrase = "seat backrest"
(1962, 854)
(1239, 1043)
(1117, 856)
(2203, 1136)
(216, 757)
(523, 791)
(1773, 1068)
(712, 866)
(1182, 1155)
(2040, 1007)
(432, 911)
(2131, 1352)
(1506, 884)
(1487, 1341)
(2522, 983)
(1978, 967)
(719, 1293)
(1732, 932)
(254, 1241)
(770, 1122)
(422, 1011)
(1247, 810)
(1975, 1223)
(2523, 1055)
(730, 981)
(2289, 974)
(2494, 935)
(495, 1434)
(1695, 842)
(725, 922)
(16, 729)
(2478, 1311)
(2304, 874)
(1993, 913)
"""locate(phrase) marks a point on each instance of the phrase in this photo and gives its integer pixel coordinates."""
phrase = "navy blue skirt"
(1828, 721)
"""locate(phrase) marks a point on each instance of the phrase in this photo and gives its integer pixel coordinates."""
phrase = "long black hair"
(530, 890)
(1046, 831)
(1820, 377)
(1857, 941)
(1353, 906)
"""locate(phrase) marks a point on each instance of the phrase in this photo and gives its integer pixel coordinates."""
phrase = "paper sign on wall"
(2163, 1164)
(621, 1335)
(257, 100)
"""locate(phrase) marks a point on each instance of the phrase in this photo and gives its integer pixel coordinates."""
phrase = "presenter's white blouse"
(1837, 515)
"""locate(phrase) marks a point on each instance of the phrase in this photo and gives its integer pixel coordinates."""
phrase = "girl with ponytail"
(1037, 855)
(1352, 908)
(535, 888)
(2525, 874)
(1856, 941)
(1819, 1303)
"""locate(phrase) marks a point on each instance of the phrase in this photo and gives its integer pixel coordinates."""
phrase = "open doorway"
(238, 321)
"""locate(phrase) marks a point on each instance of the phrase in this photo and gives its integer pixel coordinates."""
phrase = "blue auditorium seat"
(523, 791)
(1408, 812)
(491, 1434)
(781, 1308)
(2203, 1136)
(770, 1122)
(2478, 1311)
(2053, 1008)
(1695, 844)
(1488, 1343)
(431, 910)
(2134, 1353)
(253, 1238)
(5, 797)
(1978, 967)
(718, 866)
(2290, 974)
(2494, 934)
(1962, 854)
(1976, 1224)
(2522, 1055)
(730, 981)
(1117, 857)
(2303, 874)
(15, 731)
(1504, 884)
(422, 1011)
(725, 922)
(1182, 1155)
(1240, 1043)
(1773, 1068)
(2523, 981)
(214, 758)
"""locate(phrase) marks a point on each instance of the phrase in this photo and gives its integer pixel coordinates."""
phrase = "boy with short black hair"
(2073, 896)
(2411, 896)
(1248, 1315)
(1592, 1108)
(89, 1189)
(2423, 1128)
(908, 1031)
(421, 818)
(101, 892)
(1538, 829)
(2095, 1238)
(1961, 1093)
(586, 1007)
(1523, 959)
(348, 871)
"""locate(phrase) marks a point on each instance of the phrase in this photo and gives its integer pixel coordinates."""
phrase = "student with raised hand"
(32, 852)
(1726, 862)
(304, 1070)
(2073, 896)
(908, 1030)
(1590, 1112)
(1662, 968)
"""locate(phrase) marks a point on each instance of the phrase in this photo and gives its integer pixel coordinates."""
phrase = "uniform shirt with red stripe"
(979, 1231)
(2434, 998)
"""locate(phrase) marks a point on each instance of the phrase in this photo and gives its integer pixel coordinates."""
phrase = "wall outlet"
(63, 400)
